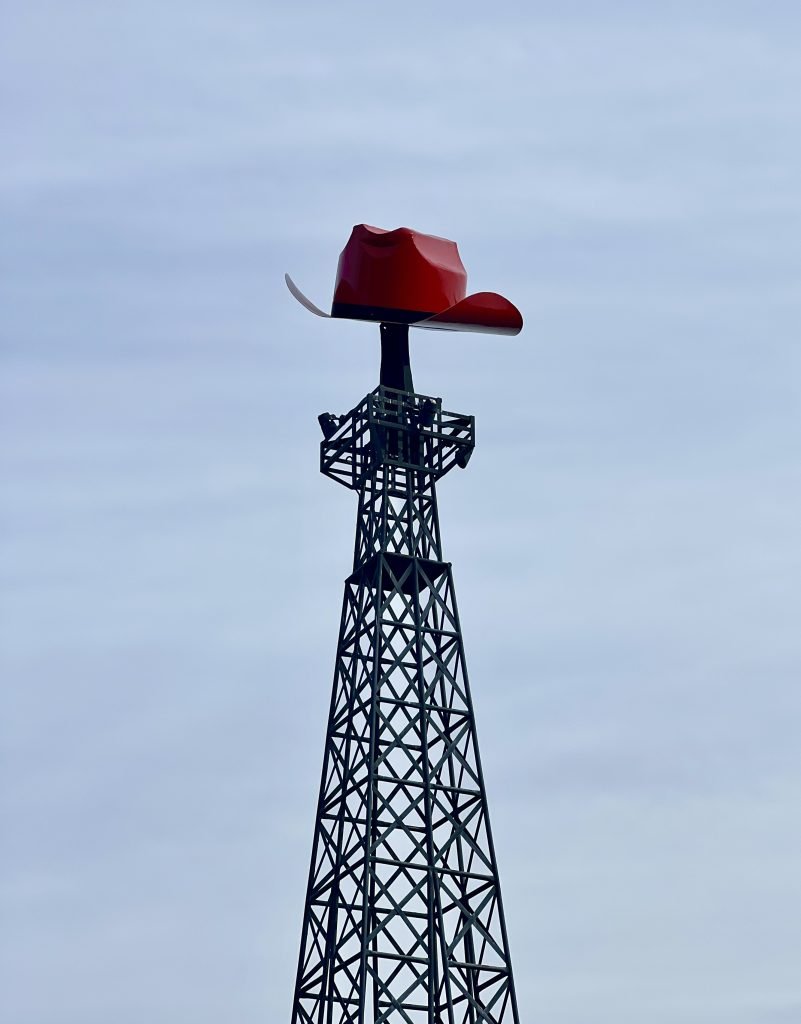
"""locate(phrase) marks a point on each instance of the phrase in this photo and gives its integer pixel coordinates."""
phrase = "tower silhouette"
(403, 919)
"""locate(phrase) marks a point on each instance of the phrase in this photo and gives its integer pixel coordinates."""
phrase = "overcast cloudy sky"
(625, 541)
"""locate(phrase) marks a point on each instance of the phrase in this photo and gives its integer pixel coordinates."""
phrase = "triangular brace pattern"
(403, 920)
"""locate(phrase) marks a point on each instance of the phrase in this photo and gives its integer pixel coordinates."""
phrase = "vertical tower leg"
(404, 920)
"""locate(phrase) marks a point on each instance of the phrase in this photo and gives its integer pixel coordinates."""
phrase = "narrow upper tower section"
(403, 920)
(395, 429)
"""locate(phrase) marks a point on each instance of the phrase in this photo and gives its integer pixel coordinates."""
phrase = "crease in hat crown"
(404, 276)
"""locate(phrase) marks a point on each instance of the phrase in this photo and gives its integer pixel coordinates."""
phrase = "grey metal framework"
(403, 918)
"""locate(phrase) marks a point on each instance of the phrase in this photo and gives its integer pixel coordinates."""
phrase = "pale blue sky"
(625, 541)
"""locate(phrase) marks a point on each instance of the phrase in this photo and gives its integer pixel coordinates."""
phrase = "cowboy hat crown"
(407, 277)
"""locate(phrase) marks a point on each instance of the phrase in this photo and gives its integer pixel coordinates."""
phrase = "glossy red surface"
(406, 277)
(400, 269)
(486, 312)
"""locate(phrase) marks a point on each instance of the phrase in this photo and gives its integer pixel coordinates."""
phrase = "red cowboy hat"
(406, 277)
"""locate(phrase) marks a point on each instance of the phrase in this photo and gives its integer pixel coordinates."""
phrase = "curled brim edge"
(482, 313)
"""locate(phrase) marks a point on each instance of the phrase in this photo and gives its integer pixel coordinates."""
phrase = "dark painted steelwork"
(403, 919)
(396, 370)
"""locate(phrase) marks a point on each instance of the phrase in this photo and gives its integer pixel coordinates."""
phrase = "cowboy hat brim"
(482, 313)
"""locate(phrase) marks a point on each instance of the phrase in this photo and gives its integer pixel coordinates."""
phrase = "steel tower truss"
(403, 919)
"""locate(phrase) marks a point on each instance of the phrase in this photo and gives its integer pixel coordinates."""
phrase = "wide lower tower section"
(403, 919)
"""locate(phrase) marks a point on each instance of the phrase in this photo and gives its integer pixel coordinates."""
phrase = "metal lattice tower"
(403, 919)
